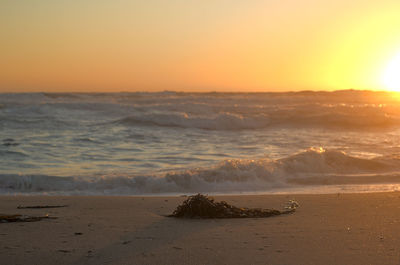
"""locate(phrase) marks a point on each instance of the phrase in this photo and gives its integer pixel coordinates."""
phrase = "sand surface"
(326, 229)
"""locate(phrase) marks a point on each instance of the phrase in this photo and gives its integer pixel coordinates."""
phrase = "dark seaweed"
(200, 206)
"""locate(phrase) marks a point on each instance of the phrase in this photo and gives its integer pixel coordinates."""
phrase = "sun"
(391, 75)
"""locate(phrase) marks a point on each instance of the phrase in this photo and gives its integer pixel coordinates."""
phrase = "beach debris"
(178, 248)
(292, 205)
(41, 206)
(64, 251)
(23, 218)
(200, 206)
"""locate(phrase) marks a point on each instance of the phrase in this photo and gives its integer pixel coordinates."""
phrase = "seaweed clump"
(200, 206)
(23, 218)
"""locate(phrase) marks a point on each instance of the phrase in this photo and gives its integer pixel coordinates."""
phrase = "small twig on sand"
(41, 206)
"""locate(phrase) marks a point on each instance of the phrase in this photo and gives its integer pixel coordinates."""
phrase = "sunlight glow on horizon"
(156, 45)
(391, 76)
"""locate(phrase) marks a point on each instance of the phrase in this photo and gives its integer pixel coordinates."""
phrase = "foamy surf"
(300, 172)
(170, 142)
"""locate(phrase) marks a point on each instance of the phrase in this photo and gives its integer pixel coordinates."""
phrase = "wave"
(210, 111)
(14, 154)
(222, 121)
(299, 117)
(308, 168)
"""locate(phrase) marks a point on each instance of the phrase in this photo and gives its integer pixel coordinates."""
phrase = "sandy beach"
(326, 229)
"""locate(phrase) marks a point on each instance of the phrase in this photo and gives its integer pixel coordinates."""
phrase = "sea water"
(182, 143)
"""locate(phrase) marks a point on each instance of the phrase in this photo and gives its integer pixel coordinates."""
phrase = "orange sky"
(203, 45)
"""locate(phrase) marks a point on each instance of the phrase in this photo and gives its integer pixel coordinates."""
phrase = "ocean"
(183, 143)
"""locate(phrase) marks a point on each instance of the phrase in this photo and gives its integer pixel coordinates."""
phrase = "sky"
(197, 45)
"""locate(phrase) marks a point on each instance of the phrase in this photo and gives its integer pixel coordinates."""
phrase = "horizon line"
(201, 92)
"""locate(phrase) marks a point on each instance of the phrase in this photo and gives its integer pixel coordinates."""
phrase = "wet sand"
(326, 229)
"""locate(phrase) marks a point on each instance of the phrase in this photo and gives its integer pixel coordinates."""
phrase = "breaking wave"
(307, 168)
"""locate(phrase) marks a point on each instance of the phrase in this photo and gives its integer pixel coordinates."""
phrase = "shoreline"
(300, 190)
(360, 228)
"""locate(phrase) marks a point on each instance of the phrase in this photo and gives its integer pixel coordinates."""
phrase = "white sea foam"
(309, 168)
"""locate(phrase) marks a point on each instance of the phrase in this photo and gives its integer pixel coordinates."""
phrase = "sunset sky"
(203, 45)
